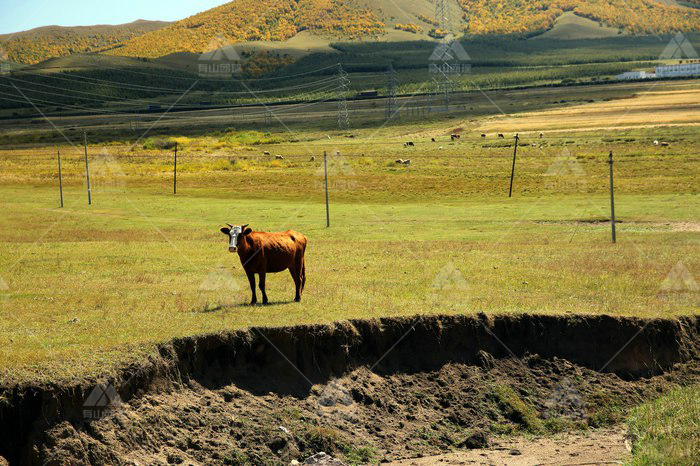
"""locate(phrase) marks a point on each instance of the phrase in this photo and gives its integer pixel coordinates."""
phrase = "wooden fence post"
(328, 209)
(175, 171)
(512, 173)
(60, 176)
(612, 199)
(87, 171)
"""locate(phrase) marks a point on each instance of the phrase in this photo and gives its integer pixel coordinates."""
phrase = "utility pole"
(342, 90)
(87, 170)
(60, 176)
(392, 109)
(328, 209)
(512, 173)
(175, 171)
(612, 200)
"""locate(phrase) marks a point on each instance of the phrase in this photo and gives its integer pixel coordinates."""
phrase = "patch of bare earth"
(365, 391)
(384, 417)
(603, 446)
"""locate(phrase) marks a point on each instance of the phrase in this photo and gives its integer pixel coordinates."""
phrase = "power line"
(113, 99)
(169, 116)
(269, 78)
(77, 79)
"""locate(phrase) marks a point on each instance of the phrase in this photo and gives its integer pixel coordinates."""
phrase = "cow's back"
(277, 251)
(298, 239)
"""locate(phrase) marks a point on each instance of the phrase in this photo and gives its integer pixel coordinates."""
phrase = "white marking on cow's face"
(233, 238)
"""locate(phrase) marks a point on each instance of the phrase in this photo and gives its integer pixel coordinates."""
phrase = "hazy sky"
(20, 15)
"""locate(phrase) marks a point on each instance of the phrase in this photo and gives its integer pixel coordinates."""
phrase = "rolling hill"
(537, 16)
(261, 20)
(299, 27)
(36, 45)
(570, 26)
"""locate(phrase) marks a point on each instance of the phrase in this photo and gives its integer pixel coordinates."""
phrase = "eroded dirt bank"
(372, 390)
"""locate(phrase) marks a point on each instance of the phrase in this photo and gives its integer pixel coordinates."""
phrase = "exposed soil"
(362, 391)
(596, 447)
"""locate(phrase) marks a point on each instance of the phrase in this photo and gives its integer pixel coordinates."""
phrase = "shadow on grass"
(224, 307)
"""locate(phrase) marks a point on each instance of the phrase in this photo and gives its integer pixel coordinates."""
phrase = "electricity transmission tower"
(342, 90)
(442, 84)
(442, 16)
(392, 108)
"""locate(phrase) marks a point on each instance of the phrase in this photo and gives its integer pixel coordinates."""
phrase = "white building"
(684, 69)
(635, 75)
(664, 71)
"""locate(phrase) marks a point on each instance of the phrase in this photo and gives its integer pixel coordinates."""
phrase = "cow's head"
(235, 235)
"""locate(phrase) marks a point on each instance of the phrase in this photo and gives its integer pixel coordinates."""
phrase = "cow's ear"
(247, 231)
(226, 231)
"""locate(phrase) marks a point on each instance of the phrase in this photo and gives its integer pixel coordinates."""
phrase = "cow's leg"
(262, 286)
(296, 275)
(251, 280)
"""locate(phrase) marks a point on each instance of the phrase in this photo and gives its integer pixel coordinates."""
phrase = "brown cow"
(264, 253)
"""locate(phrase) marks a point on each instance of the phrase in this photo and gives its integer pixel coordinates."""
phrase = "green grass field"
(665, 430)
(92, 287)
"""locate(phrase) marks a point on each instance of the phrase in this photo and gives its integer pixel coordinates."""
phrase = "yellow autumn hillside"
(634, 16)
(266, 20)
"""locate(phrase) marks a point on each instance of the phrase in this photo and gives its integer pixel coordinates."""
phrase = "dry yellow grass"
(647, 109)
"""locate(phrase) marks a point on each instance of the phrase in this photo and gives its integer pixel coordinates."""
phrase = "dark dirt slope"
(380, 389)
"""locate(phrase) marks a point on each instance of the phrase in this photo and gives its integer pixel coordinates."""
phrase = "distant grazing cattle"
(501, 136)
(264, 253)
(534, 144)
(407, 162)
(541, 135)
(399, 161)
(665, 144)
(454, 136)
(409, 144)
(266, 153)
(483, 135)
(279, 157)
(656, 143)
(432, 139)
(312, 159)
(440, 148)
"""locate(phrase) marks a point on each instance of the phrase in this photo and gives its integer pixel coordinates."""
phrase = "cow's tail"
(303, 274)
(302, 240)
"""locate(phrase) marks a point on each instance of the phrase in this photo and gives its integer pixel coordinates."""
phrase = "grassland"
(665, 431)
(92, 287)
